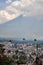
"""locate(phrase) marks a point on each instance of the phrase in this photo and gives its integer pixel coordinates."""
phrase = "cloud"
(21, 7)
(28, 6)
(8, 1)
(5, 16)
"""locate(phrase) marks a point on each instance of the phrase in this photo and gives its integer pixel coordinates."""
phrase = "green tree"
(1, 49)
(4, 60)
(22, 59)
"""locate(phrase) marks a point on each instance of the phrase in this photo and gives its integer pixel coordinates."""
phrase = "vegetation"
(16, 59)
(4, 60)
(1, 49)
(20, 57)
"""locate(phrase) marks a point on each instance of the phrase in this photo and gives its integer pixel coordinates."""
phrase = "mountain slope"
(22, 27)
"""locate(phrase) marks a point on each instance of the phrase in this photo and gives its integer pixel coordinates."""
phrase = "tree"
(6, 60)
(1, 49)
(37, 61)
(22, 59)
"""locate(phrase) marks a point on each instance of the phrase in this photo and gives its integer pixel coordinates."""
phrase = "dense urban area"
(21, 53)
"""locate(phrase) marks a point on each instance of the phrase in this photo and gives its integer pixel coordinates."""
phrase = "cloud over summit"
(21, 7)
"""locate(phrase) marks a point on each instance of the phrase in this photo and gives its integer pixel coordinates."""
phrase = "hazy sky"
(28, 9)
